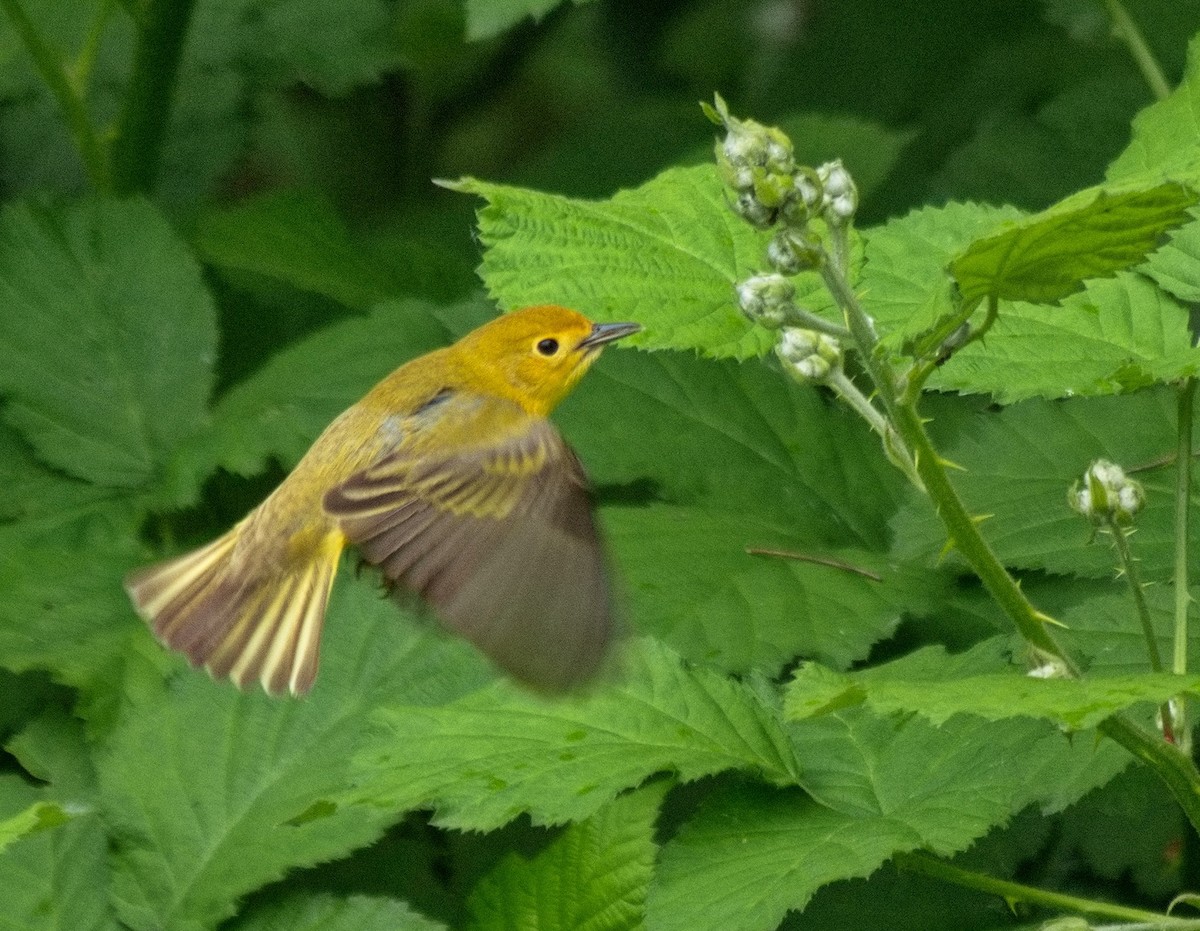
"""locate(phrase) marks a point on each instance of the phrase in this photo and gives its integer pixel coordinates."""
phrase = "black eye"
(548, 347)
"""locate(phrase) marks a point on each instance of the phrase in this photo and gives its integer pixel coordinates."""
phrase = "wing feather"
(500, 540)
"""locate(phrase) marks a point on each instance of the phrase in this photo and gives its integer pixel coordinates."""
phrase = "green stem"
(141, 129)
(1183, 498)
(807, 320)
(1173, 766)
(51, 66)
(927, 865)
(1129, 567)
(85, 61)
(1127, 31)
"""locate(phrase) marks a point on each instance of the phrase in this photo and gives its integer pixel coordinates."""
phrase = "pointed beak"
(607, 332)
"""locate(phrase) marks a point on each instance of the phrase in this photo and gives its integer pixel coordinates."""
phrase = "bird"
(448, 476)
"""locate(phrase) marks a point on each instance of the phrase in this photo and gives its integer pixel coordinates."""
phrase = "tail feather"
(240, 622)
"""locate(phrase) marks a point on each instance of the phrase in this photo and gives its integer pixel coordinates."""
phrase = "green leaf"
(326, 912)
(487, 18)
(63, 608)
(484, 759)
(1166, 135)
(37, 817)
(666, 254)
(736, 438)
(1118, 334)
(905, 285)
(693, 584)
(876, 786)
(921, 683)
(107, 350)
(1176, 266)
(592, 878)
(210, 793)
(57, 880)
(1048, 256)
(1018, 463)
(299, 237)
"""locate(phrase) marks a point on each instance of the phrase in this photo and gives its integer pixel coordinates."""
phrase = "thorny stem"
(67, 93)
(1173, 766)
(927, 865)
(1127, 31)
(1183, 489)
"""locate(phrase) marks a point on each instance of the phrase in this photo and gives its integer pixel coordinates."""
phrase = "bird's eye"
(548, 347)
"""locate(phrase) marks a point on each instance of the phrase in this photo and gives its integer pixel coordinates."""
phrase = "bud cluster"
(1107, 493)
(767, 300)
(808, 355)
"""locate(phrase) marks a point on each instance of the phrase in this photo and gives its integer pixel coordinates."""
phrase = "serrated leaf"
(37, 817)
(1048, 256)
(736, 438)
(487, 18)
(106, 356)
(666, 254)
(905, 285)
(263, 782)
(592, 878)
(889, 785)
(1176, 266)
(326, 912)
(1117, 334)
(692, 583)
(1166, 135)
(925, 683)
(1018, 463)
(484, 759)
(55, 879)
(63, 609)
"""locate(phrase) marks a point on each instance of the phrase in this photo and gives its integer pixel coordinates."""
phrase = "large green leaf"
(1117, 334)
(666, 254)
(326, 912)
(210, 793)
(485, 758)
(107, 350)
(924, 682)
(487, 18)
(888, 785)
(1049, 256)
(1166, 135)
(592, 878)
(1018, 463)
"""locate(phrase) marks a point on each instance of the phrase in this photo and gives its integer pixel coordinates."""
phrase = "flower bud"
(754, 211)
(841, 196)
(790, 252)
(766, 300)
(807, 354)
(756, 161)
(1107, 493)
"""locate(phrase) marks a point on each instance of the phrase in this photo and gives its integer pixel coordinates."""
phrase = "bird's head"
(536, 355)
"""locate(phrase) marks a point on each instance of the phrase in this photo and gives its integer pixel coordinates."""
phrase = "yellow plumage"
(449, 477)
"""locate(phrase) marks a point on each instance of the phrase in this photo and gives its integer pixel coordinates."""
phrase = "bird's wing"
(499, 538)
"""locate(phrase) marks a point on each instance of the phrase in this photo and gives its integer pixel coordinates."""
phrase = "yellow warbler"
(449, 477)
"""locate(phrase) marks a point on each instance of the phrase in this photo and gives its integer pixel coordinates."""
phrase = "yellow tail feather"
(238, 621)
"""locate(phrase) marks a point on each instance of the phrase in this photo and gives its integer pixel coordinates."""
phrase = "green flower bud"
(754, 211)
(767, 300)
(808, 355)
(791, 252)
(1107, 493)
(756, 161)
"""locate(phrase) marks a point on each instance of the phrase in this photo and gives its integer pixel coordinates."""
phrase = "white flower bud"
(1107, 493)
(841, 196)
(807, 354)
(766, 299)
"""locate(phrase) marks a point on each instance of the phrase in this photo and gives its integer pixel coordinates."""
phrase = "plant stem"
(1173, 766)
(927, 865)
(1129, 568)
(137, 148)
(1183, 498)
(807, 320)
(67, 94)
(1127, 31)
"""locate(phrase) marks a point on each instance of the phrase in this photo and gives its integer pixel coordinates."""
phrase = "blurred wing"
(501, 542)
